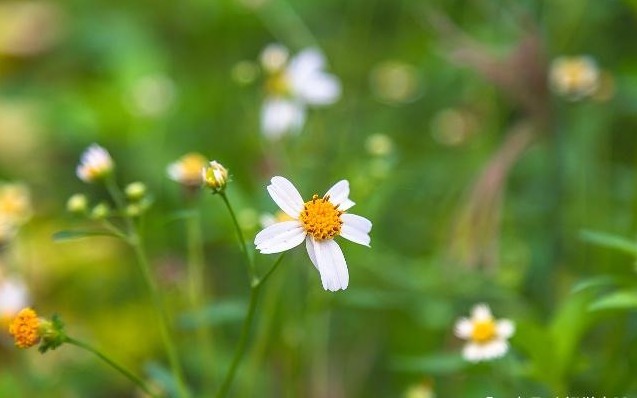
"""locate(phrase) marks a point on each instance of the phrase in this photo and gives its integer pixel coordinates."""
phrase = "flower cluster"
(291, 86)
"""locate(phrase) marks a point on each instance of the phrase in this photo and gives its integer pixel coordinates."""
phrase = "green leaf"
(597, 281)
(437, 364)
(610, 241)
(619, 300)
(62, 236)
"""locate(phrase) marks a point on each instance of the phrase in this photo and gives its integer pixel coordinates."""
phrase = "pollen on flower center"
(25, 328)
(320, 218)
(483, 331)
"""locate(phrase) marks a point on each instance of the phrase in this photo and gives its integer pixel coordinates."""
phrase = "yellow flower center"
(483, 331)
(25, 328)
(320, 218)
(278, 84)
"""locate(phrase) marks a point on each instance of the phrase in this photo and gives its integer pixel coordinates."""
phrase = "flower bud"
(77, 203)
(100, 211)
(215, 176)
(135, 191)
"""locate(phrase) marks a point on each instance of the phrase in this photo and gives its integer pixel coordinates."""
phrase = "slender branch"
(162, 316)
(132, 377)
(242, 242)
(245, 331)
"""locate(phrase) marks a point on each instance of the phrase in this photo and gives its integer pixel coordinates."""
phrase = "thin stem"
(238, 355)
(135, 241)
(242, 242)
(132, 377)
(162, 316)
(196, 288)
(270, 271)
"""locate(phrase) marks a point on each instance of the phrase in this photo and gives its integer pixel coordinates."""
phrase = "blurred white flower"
(317, 222)
(291, 86)
(267, 219)
(187, 170)
(95, 163)
(14, 296)
(486, 337)
(574, 77)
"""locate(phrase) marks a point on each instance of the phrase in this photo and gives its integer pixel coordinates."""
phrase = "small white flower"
(95, 164)
(13, 297)
(292, 86)
(486, 337)
(317, 222)
(574, 77)
(15, 204)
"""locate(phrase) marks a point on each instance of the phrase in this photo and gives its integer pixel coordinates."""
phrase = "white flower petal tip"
(286, 196)
(331, 265)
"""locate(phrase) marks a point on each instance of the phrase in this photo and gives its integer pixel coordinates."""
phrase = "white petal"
(350, 233)
(505, 328)
(331, 265)
(357, 222)
(280, 116)
(286, 196)
(310, 251)
(473, 352)
(274, 230)
(318, 89)
(494, 349)
(306, 63)
(282, 242)
(339, 194)
(481, 312)
(463, 328)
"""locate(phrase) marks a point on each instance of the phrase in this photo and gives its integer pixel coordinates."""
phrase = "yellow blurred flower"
(574, 77)
(15, 204)
(29, 28)
(187, 170)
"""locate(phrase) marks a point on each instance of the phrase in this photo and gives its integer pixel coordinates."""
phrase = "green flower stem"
(242, 242)
(196, 289)
(132, 377)
(255, 289)
(135, 241)
(162, 316)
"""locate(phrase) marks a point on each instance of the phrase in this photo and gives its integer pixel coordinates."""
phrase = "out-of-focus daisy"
(267, 219)
(317, 222)
(187, 170)
(95, 164)
(28, 28)
(15, 204)
(291, 86)
(13, 297)
(486, 337)
(574, 77)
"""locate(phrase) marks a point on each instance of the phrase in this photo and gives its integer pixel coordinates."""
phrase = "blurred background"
(491, 143)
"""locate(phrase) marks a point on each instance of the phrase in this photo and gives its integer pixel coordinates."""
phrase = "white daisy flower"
(574, 77)
(486, 337)
(317, 222)
(13, 297)
(291, 86)
(95, 163)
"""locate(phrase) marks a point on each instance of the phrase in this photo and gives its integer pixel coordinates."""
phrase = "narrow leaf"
(610, 241)
(619, 300)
